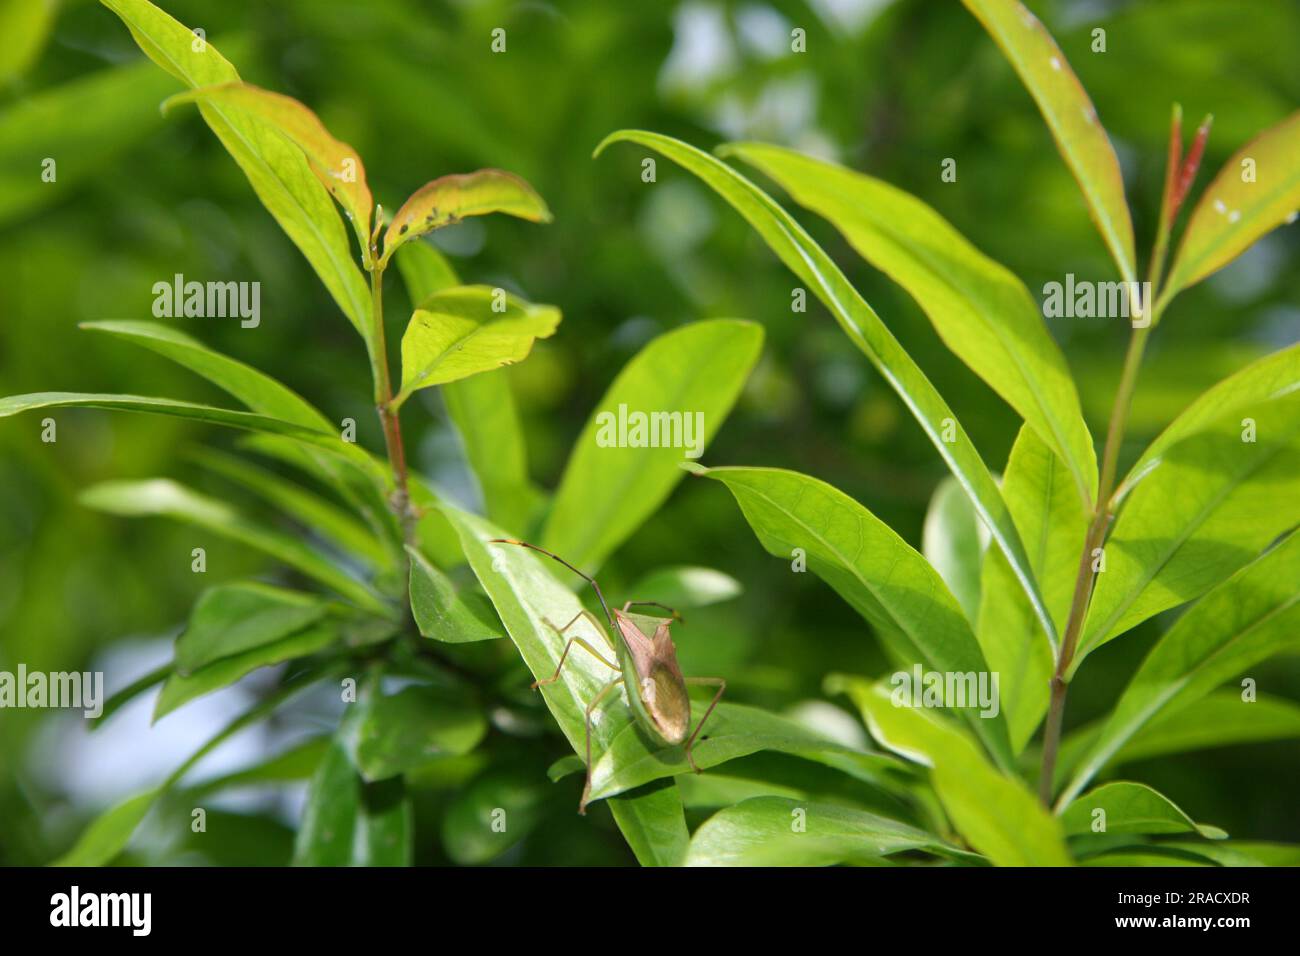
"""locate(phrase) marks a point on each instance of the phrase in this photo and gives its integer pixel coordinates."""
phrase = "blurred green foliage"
(892, 88)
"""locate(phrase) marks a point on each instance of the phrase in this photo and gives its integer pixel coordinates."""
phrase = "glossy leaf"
(614, 480)
(995, 813)
(979, 308)
(389, 734)
(180, 689)
(465, 330)
(1070, 116)
(276, 169)
(1131, 808)
(444, 613)
(326, 831)
(760, 832)
(1052, 523)
(1256, 387)
(163, 498)
(231, 618)
(733, 730)
(805, 258)
(1246, 619)
(482, 407)
(1212, 505)
(335, 163)
(533, 603)
(951, 541)
(686, 587)
(1234, 212)
(449, 199)
(653, 822)
(871, 567)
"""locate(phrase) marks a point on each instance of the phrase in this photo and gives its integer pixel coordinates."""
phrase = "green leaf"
(180, 688)
(1255, 388)
(110, 833)
(335, 163)
(107, 836)
(231, 618)
(686, 587)
(164, 498)
(859, 321)
(465, 330)
(1052, 522)
(1234, 213)
(995, 813)
(761, 832)
(1242, 852)
(882, 577)
(733, 731)
(357, 477)
(82, 124)
(653, 822)
(951, 541)
(533, 603)
(979, 308)
(449, 199)
(1216, 720)
(325, 833)
(313, 512)
(1211, 505)
(473, 828)
(15, 404)
(276, 169)
(614, 479)
(130, 692)
(1070, 116)
(294, 764)
(26, 26)
(482, 408)
(389, 734)
(254, 388)
(445, 614)
(1246, 619)
(1131, 808)
(387, 825)
(424, 271)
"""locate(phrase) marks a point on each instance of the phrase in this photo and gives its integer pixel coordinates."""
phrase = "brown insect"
(647, 667)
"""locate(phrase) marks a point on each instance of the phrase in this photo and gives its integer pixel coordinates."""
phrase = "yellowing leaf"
(335, 163)
(449, 199)
(1255, 191)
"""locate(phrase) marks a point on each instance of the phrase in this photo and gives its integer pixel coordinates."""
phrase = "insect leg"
(586, 790)
(717, 682)
(567, 647)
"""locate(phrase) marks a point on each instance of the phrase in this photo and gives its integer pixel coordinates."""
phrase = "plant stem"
(388, 415)
(1085, 577)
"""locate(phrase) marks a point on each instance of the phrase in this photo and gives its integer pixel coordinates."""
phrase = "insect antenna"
(673, 611)
(586, 577)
